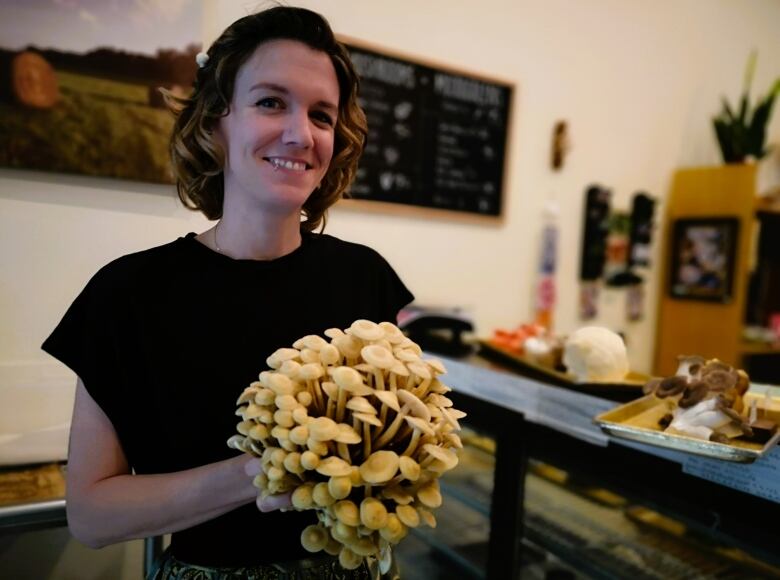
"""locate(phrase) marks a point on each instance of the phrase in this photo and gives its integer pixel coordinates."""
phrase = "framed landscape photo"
(702, 260)
(80, 80)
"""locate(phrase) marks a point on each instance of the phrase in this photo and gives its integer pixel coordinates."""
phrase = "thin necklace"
(216, 245)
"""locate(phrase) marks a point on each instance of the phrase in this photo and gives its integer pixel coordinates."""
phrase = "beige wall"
(638, 82)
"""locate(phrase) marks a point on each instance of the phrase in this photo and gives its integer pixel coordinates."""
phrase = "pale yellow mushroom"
(248, 394)
(397, 494)
(284, 419)
(361, 405)
(380, 467)
(393, 334)
(260, 481)
(330, 355)
(331, 391)
(311, 373)
(333, 332)
(259, 432)
(346, 436)
(304, 398)
(419, 426)
(344, 533)
(332, 465)
(347, 379)
(349, 347)
(299, 434)
(292, 463)
(439, 459)
(408, 515)
(366, 330)
(346, 511)
(274, 473)
(451, 416)
(314, 538)
(340, 486)
(427, 517)
(449, 438)
(276, 456)
(437, 366)
(389, 401)
(290, 368)
(378, 356)
(254, 411)
(367, 420)
(438, 399)
(395, 530)
(348, 559)
(280, 433)
(355, 476)
(323, 429)
(333, 547)
(364, 546)
(301, 416)
(302, 496)
(410, 469)
(286, 402)
(264, 396)
(411, 406)
(280, 355)
(311, 341)
(321, 495)
(310, 356)
(429, 494)
(244, 427)
(237, 442)
(318, 447)
(281, 384)
(309, 460)
(373, 513)
(438, 387)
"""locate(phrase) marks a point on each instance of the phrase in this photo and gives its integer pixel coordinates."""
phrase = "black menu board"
(437, 138)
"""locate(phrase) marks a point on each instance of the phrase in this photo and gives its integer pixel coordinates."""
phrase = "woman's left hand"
(282, 501)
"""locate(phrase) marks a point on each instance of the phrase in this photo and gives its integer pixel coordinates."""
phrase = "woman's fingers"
(253, 467)
(274, 502)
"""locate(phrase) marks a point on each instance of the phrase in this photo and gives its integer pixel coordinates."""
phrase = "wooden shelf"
(759, 348)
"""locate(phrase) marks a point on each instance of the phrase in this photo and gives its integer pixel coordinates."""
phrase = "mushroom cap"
(259, 432)
(378, 356)
(346, 511)
(347, 378)
(367, 418)
(439, 400)
(394, 530)
(321, 495)
(281, 384)
(314, 538)
(311, 341)
(399, 369)
(284, 419)
(310, 356)
(361, 405)
(248, 394)
(405, 355)
(280, 433)
(420, 425)
(329, 355)
(380, 467)
(323, 429)
(436, 365)
(348, 345)
(389, 398)
(310, 460)
(340, 486)
(286, 402)
(398, 495)
(311, 371)
(364, 547)
(446, 456)
(408, 515)
(453, 440)
(264, 396)
(348, 559)
(301, 496)
(366, 330)
(415, 405)
(244, 427)
(292, 462)
(333, 332)
(304, 398)
(410, 469)
(301, 416)
(373, 513)
(427, 517)
(280, 355)
(290, 368)
(333, 465)
(393, 334)
(347, 435)
(420, 369)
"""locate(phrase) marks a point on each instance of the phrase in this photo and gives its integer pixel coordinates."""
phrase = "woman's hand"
(282, 501)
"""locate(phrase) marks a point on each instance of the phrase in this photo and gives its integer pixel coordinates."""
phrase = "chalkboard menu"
(437, 138)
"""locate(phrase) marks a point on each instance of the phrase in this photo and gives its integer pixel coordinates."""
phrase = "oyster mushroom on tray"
(359, 428)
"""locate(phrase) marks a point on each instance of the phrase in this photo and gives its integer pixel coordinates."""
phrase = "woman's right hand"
(269, 503)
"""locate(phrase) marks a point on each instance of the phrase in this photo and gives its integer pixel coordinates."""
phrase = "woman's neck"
(247, 237)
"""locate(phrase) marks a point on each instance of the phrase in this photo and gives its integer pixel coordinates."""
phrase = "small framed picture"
(703, 255)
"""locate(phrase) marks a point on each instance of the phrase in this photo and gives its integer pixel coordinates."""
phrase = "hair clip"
(202, 59)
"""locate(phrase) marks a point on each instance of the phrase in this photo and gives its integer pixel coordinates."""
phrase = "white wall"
(637, 81)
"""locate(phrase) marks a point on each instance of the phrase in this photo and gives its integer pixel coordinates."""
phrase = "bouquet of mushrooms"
(359, 429)
(704, 400)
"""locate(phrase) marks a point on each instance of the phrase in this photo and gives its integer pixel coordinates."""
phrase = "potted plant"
(742, 136)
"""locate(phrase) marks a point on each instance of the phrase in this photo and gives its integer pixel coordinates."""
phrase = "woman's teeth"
(281, 163)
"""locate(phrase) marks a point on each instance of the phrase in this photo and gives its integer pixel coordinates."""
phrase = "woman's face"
(278, 136)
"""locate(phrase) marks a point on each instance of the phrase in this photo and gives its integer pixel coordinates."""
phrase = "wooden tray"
(638, 421)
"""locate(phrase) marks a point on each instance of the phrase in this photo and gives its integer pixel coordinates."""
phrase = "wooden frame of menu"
(492, 86)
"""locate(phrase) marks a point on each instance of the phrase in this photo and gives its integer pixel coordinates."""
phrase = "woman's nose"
(298, 130)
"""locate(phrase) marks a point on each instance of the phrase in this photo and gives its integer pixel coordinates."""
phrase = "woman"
(163, 341)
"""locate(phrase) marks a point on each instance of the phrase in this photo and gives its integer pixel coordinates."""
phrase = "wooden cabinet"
(713, 329)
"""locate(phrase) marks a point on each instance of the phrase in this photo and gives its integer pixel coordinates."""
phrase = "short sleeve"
(84, 341)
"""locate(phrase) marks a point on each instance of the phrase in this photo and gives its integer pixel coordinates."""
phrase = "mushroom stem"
(379, 381)
(390, 432)
(366, 440)
(344, 452)
(422, 389)
(340, 406)
(412, 444)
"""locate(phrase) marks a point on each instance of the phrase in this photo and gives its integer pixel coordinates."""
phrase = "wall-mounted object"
(641, 235)
(78, 85)
(437, 135)
(594, 237)
(560, 145)
(702, 258)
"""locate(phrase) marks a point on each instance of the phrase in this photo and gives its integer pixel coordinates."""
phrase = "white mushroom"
(366, 330)
(411, 405)
(280, 355)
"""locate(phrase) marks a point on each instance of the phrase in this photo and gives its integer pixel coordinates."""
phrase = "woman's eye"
(269, 103)
(323, 117)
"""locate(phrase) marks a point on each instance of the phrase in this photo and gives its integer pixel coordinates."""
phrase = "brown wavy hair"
(197, 158)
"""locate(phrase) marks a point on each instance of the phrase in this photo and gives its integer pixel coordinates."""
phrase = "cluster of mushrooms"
(705, 400)
(359, 429)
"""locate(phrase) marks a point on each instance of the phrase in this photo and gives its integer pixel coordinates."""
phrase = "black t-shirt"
(166, 339)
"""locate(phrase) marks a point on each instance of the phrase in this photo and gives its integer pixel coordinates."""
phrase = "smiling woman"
(268, 141)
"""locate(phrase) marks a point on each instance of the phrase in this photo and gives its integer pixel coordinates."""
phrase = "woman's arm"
(107, 504)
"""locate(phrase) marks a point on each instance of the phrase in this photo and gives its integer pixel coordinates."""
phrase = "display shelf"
(755, 348)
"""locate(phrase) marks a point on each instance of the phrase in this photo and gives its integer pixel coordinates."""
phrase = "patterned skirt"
(317, 568)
